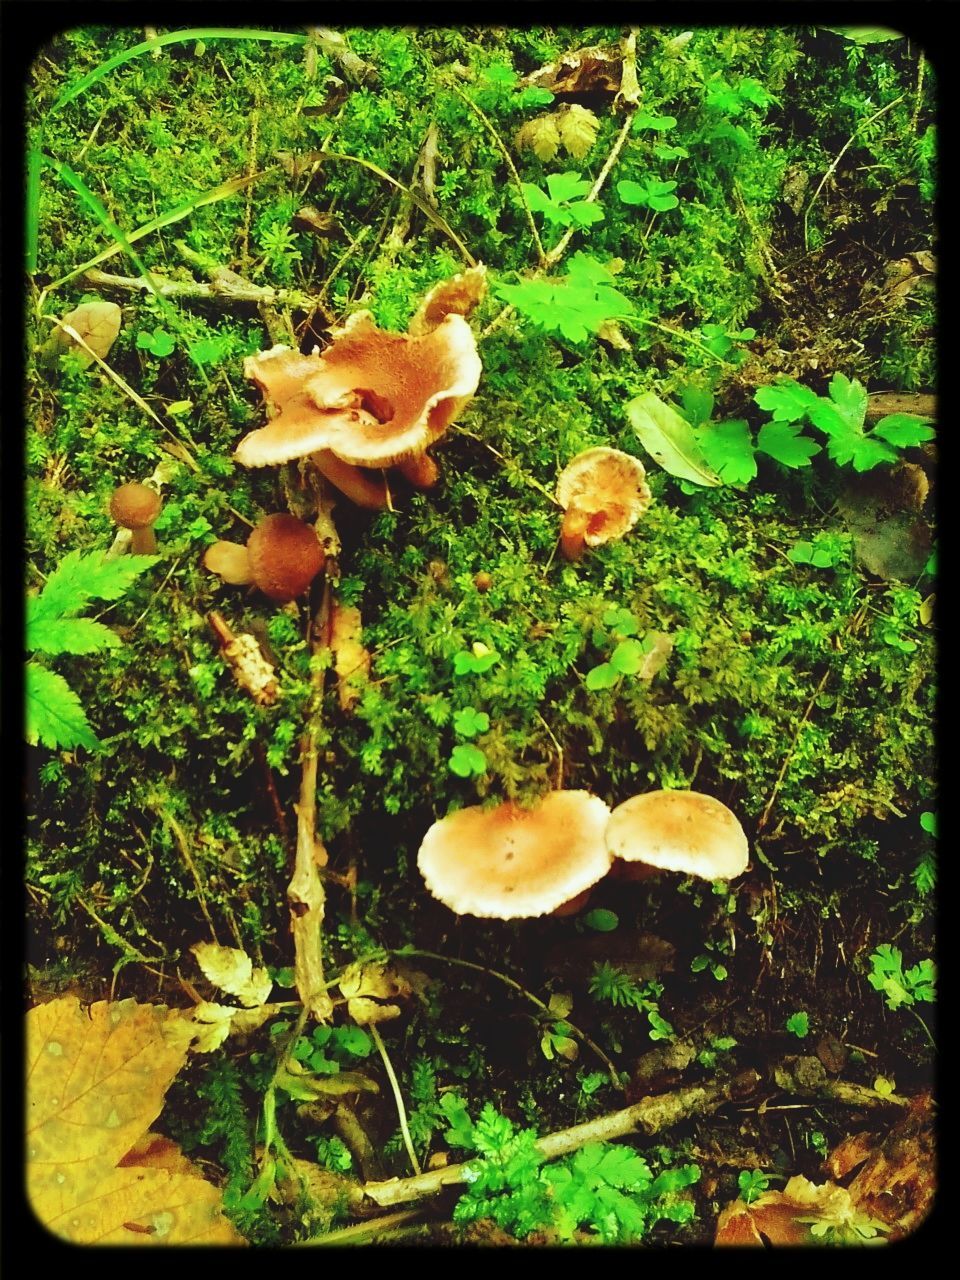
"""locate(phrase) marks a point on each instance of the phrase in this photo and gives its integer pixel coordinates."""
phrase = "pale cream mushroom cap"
(679, 831)
(508, 863)
(609, 487)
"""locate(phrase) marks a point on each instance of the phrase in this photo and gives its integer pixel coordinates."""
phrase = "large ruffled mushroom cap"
(373, 398)
(508, 863)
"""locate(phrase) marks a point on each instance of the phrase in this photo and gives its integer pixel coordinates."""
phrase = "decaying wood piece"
(880, 403)
(898, 1181)
(242, 653)
(806, 1076)
(649, 1115)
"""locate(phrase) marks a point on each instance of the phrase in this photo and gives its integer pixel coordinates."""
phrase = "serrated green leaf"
(670, 440)
(850, 399)
(534, 97)
(621, 620)
(80, 578)
(68, 635)
(787, 400)
(903, 430)
(728, 448)
(566, 186)
(54, 716)
(783, 442)
(659, 124)
(866, 35)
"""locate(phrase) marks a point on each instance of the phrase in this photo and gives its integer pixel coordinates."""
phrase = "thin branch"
(839, 156)
(397, 1096)
(558, 250)
(651, 1115)
(222, 289)
(542, 256)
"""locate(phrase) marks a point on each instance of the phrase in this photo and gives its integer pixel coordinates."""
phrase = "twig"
(558, 250)
(184, 846)
(397, 1096)
(251, 170)
(558, 747)
(484, 119)
(839, 156)
(365, 1232)
(515, 986)
(221, 289)
(305, 893)
(651, 1115)
(921, 66)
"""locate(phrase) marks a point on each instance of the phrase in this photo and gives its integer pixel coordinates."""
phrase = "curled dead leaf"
(232, 971)
(97, 323)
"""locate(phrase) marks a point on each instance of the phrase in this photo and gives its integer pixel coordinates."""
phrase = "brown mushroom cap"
(373, 397)
(135, 506)
(506, 863)
(285, 556)
(679, 831)
(609, 488)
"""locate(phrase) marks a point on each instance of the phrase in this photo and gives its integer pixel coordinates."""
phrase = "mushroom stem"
(143, 542)
(358, 485)
(421, 471)
(632, 871)
(574, 527)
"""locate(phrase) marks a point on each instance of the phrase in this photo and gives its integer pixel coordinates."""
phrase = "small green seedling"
(159, 343)
(707, 1057)
(826, 551)
(752, 1184)
(561, 204)
(556, 1038)
(798, 1024)
(476, 660)
(899, 986)
(467, 760)
(571, 306)
(468, 722)
(650, 194)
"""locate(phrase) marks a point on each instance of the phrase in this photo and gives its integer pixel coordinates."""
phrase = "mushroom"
(507, 862)
(372, 399)
(282, 557)
(134, 506)
(604, 493)
(676, 831)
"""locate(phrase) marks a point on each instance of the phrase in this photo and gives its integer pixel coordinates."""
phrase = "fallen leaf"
(232, 971)
(154, 1151)
(849, 1153)
(364, 1011)
(95, 1080)
(831, 1052)
(541, 135)
(97, 323)
(669, 439)
(578, 129)
(214, 1022)
(581, 73)
(365, 985)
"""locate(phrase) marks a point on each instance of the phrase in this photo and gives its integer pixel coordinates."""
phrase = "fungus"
(676, 831)
(282, 557)
(604, 493)
(506, 863)
(135, 507)
(372, 399)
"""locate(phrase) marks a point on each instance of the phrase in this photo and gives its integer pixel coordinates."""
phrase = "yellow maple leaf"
(232, 971)
(541, 135)
(95, 1081)
(578, 129)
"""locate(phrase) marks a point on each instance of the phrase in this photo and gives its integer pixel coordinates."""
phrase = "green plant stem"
(515, 986)
(397, 1095)
(542, 255)
(839, 156)
(925, 1027)
(389, 1224)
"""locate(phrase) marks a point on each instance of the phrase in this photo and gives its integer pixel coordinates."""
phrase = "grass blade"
(32, 215)
(172, 37)
(228, 188)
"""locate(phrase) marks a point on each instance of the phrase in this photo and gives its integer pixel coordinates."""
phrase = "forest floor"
(711, 249)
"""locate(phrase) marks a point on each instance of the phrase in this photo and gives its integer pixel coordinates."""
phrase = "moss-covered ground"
(801, 695)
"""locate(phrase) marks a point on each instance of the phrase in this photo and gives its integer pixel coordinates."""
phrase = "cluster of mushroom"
(507, 863)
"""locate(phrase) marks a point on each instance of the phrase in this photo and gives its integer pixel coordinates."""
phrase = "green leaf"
(207, 350)
(534, 97)
(602, 677)
(158, 343)
(787, 400)
(669, 439)
(663, 152)
(500, 73)
(850, 399)
(601, 920)
(353, 1040)
(799, 1024)
(627, 657)
(68, 635)
(566, 186)
(466, 759)
(621, 621)
(80, 578)
(928, 821)
(54, 716)
(783, 442)
(866, 35)
(646, 120)
(903, 430)
(460, 1133)
(697, 404)
(728, 448)
(468, 722)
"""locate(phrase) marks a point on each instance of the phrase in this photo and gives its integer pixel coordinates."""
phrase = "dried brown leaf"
(97, 323)
(541, 135)
(578, 129)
